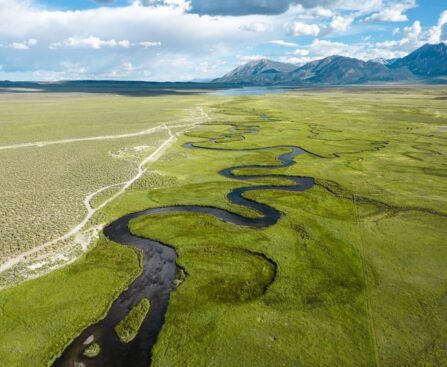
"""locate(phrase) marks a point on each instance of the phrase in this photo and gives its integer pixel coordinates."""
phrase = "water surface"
(248, 91)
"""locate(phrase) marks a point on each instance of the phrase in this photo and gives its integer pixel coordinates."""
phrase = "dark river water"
(159, 260)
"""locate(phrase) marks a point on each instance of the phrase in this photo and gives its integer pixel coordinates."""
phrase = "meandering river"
(156, 281)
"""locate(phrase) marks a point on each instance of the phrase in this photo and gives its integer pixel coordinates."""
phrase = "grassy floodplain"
(361, 277)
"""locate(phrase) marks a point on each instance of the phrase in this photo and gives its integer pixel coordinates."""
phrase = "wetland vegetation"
(359, 278)
(92, 350)
(128, 327)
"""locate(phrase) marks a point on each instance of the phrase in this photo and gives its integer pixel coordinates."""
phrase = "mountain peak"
(259, 61)
(428, 61)
(261, 69)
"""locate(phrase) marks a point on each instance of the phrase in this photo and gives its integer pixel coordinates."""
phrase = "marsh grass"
(127, 328)
(92, 350)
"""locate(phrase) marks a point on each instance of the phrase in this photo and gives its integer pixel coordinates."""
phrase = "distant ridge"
(259, 70)
(346, 70)
(429, 61)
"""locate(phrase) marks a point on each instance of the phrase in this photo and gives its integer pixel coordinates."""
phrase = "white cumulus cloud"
(254, 27)
(303, 29)
(438, 32)
(393, 12)
(147, 44)
(89, 42)
(283, 43)
(340, 23)
(25, 45)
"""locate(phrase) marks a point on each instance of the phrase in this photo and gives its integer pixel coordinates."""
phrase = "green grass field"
(360, 279)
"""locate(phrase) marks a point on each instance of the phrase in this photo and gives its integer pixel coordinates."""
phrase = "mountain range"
(428, 63)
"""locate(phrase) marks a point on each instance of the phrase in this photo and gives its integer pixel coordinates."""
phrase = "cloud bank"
(182, 40)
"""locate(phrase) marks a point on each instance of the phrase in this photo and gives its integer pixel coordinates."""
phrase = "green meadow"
(353, 273)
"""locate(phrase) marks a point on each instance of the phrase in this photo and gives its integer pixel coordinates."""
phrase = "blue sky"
(188, 39)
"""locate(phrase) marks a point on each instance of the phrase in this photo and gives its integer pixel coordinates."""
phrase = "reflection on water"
(248, 91)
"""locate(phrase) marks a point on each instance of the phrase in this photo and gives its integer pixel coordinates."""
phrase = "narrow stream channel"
(159, 261)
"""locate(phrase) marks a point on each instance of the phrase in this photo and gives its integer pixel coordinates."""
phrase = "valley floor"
(360, 257)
